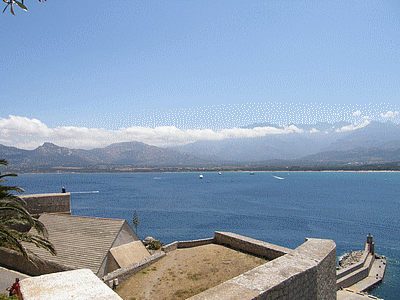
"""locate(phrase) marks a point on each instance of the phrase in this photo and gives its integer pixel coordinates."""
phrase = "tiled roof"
(80, 242)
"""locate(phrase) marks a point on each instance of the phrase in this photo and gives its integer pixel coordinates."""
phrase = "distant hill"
(357, 155)
(374, 135)
(270, 147)
(130, 153)
(318, 144)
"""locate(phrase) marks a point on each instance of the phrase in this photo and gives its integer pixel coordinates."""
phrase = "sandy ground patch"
(187, 272)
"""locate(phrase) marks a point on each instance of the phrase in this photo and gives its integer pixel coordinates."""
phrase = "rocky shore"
(350, 259)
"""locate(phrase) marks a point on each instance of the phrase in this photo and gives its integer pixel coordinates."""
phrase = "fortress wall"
(170, 247)
(250, 245)
(324, 252)
(195, 243)
(187, 244)
(49, 203)
(124, 273)
(308, 272)
(15, 261)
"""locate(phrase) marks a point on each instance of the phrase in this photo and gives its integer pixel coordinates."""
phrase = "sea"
(280, 208)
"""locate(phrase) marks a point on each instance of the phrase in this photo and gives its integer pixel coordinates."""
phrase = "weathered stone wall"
(170, 247)
(250, 245)
(14, 261)
(187, 244)
(126, 272)
(49, 203)
(308, 272)
(195, 243)
(324, 253)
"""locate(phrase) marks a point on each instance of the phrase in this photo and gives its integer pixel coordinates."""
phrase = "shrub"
(155, 245)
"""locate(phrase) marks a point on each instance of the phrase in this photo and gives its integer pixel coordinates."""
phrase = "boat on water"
(277, 177)
(219, 173)
(252, 173)
(201, 176)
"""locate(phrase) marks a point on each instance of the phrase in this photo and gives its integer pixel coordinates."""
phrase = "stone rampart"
(250, 245)
(48, 203)
(195, 243)
(170, 247)
(323, 252)
(123, 274)
(15, 261)
(308, 272)
(187, 244)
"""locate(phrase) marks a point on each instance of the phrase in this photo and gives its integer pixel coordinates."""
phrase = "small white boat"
(201, 176)
(280, 178)
(219, 173)
(252, 173)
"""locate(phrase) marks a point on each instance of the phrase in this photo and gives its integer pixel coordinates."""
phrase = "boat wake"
(87, 192)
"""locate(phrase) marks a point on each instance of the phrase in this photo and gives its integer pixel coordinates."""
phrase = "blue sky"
(93, 72)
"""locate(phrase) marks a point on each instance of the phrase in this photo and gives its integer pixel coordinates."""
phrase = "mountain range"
(320, 143)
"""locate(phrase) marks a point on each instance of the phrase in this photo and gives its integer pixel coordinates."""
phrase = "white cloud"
(28, 133)
(353, 126)
(313, 130)
(22, 126)
(357, 113)
(389, 114)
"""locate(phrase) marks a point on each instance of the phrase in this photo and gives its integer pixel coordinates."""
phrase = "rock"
(350, 258)
(148, 240)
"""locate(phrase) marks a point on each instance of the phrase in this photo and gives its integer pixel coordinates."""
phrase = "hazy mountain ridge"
(375, 143)
(129, 153)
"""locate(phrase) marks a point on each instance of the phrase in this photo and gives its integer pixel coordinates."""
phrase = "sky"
(85, 74)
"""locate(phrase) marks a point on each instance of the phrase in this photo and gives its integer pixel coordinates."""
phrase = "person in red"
(15, 287)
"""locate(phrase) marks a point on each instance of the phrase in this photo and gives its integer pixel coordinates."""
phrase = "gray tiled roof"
(80, 242)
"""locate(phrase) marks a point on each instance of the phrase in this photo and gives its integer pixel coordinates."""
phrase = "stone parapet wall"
(170, 247)
(250, 245)
(195, 243)
(187, 244)
(15, 261)
(126, 272)
(324, 253)
(48, 203)
(308, 272)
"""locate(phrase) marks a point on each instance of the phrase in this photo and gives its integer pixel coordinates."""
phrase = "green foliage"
(14, 214)
(155, 245)
(135, 220)
(5, 297)
(11, 3)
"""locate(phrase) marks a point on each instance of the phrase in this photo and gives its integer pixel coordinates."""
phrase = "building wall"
(125, 236)
(49, 203)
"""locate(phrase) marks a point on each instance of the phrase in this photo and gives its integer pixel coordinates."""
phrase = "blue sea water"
(342, 206)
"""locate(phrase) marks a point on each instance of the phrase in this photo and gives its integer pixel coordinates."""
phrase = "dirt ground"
(186, 272)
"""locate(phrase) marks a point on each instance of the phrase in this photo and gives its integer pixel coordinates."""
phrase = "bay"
(342, 206)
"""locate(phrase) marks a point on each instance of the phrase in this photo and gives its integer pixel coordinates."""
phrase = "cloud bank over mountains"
(26, 133)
